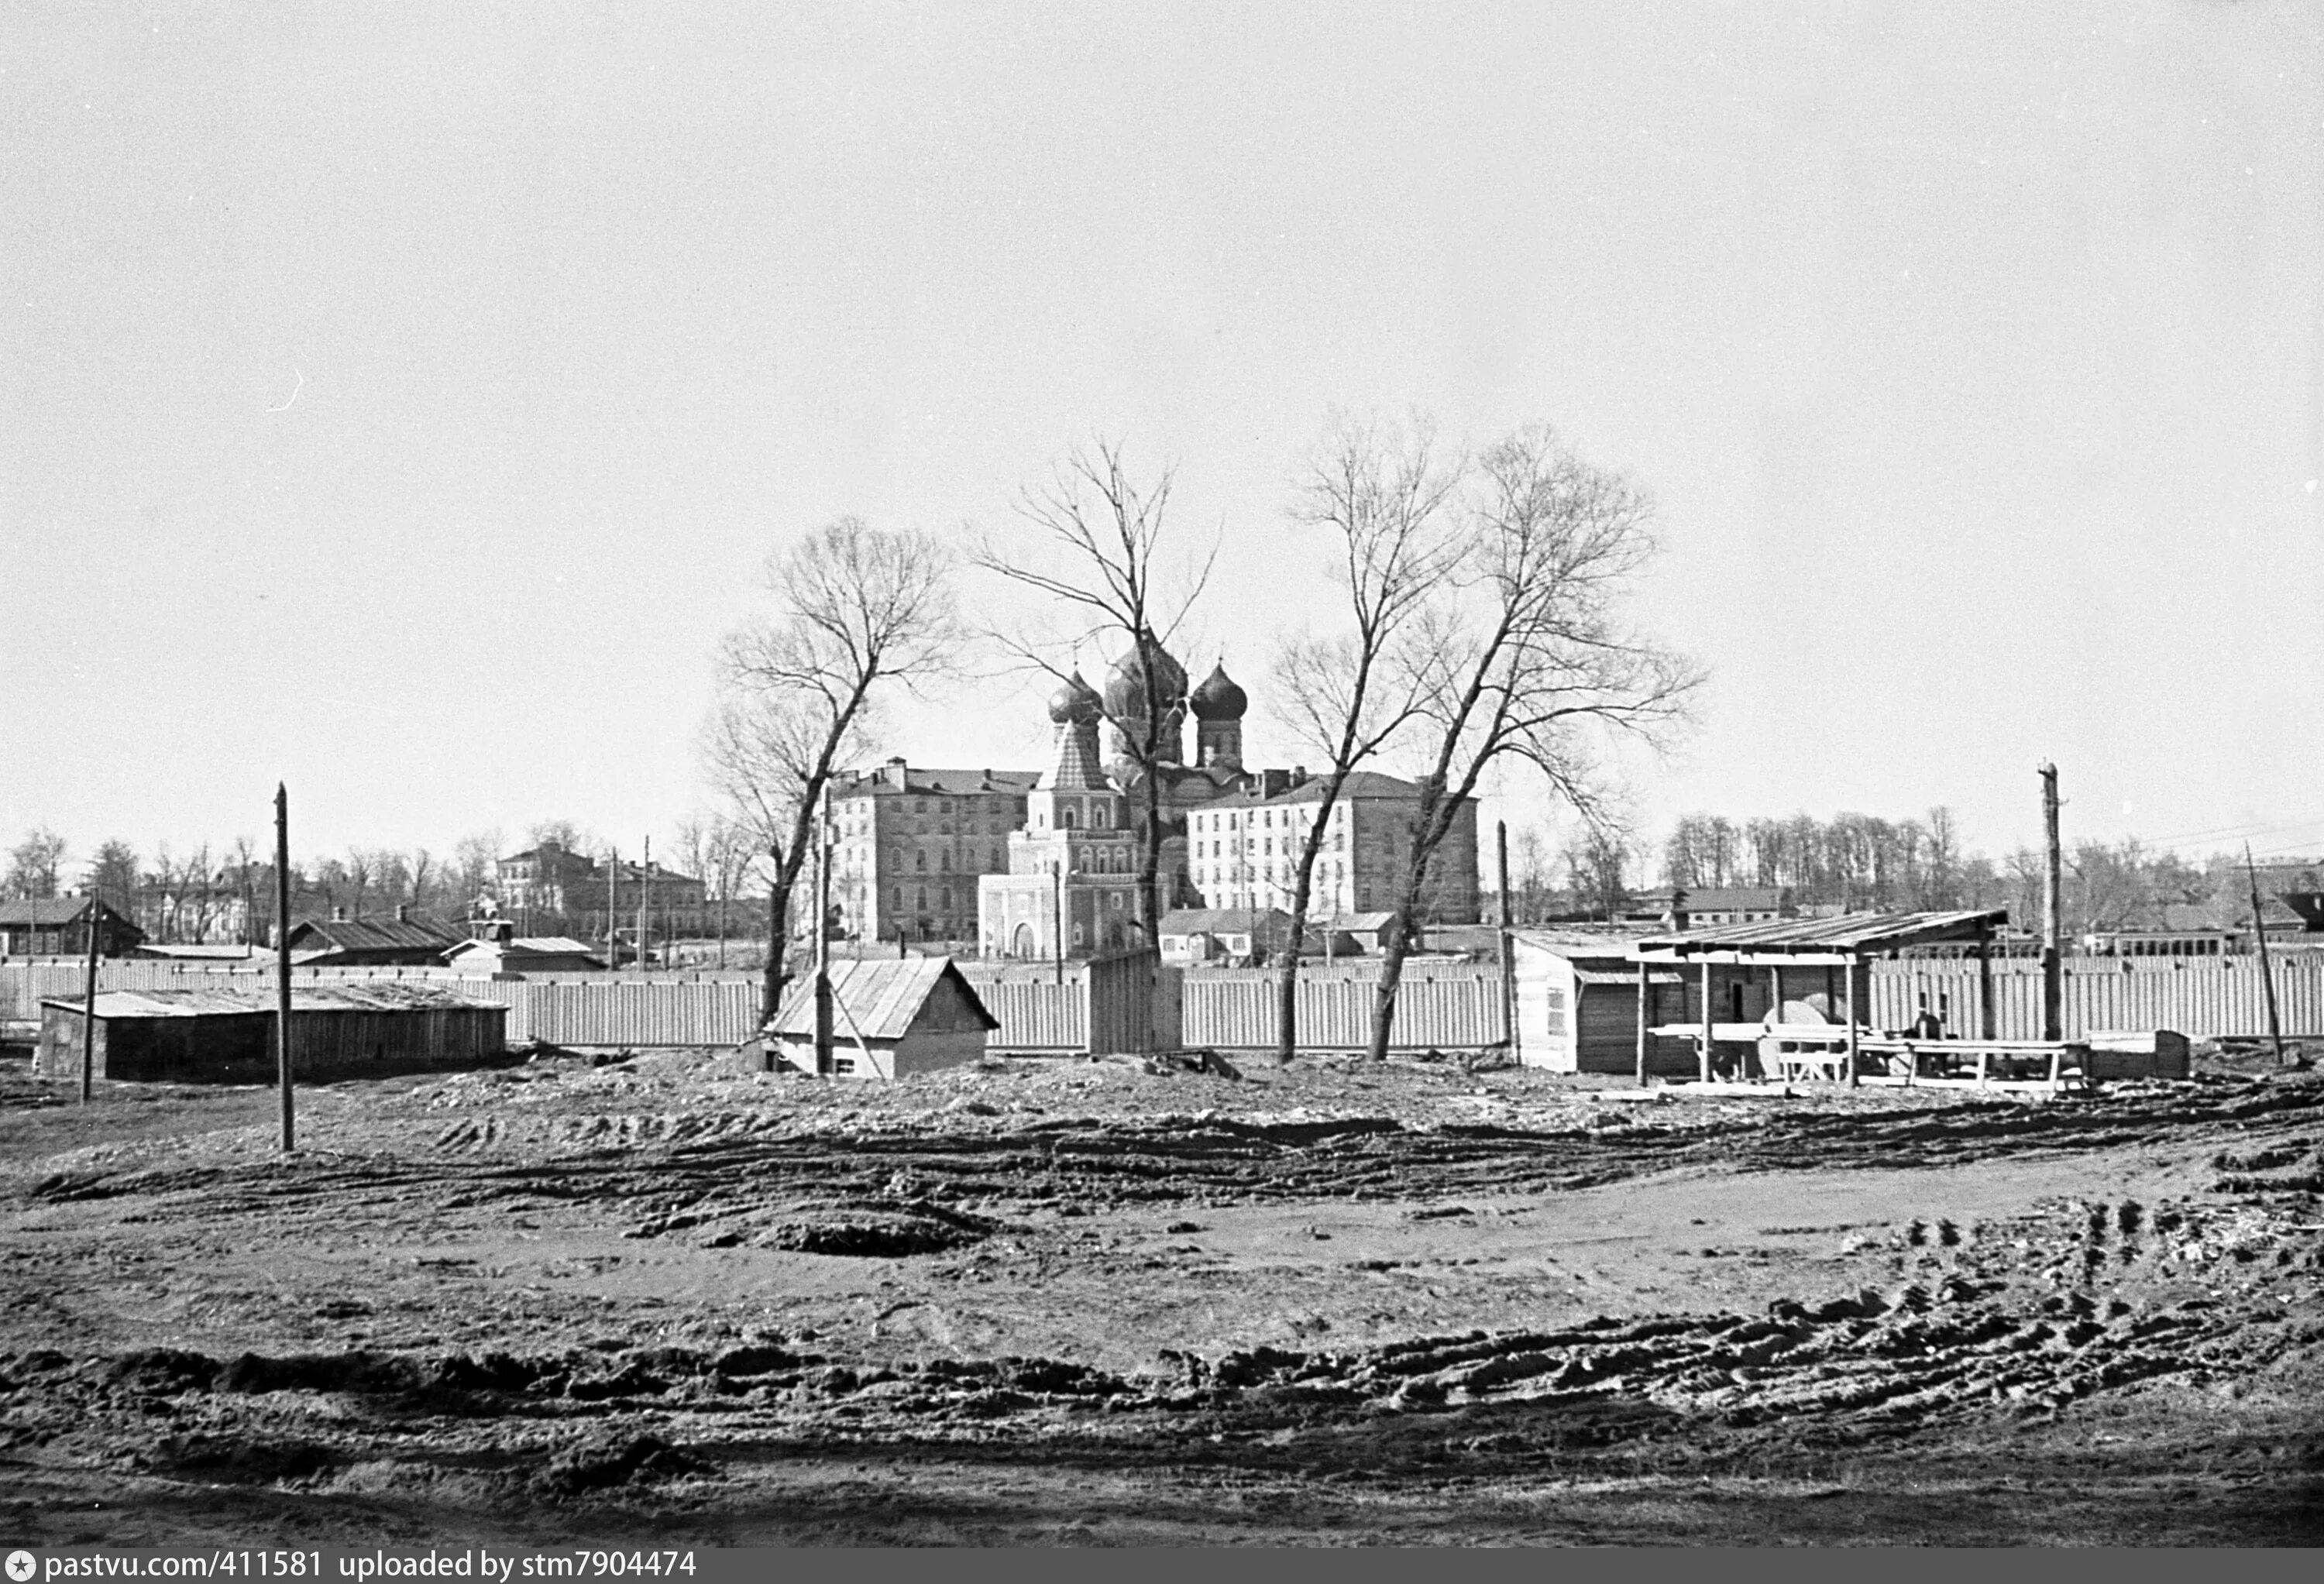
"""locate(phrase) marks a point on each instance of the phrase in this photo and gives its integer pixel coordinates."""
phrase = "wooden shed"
(1578, 1002)
(356, 1030)
(890, 1018)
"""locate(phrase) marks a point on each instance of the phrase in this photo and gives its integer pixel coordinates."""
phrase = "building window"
(920, 861)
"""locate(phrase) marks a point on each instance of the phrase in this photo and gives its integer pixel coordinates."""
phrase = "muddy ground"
(661, 1298)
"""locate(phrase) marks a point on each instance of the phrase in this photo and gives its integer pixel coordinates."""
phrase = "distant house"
(502, 950)
(404, 941)
(1204, 934)
(889, 1017)
(58, 926)
(1701, 906)
(1367, 932)
(221, 1036)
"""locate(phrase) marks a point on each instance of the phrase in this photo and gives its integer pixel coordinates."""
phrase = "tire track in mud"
(729, 1178)
(1981, 1345)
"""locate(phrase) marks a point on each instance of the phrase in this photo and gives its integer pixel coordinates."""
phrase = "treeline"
(224, 893)
(1862, 862)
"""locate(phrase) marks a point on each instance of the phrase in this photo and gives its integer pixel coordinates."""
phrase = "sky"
(399, 402)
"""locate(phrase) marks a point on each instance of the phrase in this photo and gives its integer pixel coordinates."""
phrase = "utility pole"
(2053, 983)
(1509, 981)
(2266, 975)
(822, 939)
(645, 901)
(282, 958)
(88, 1004)
(1057, 915)
(612, 907)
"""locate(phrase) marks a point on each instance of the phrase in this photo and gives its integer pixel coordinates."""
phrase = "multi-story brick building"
(909, 845)
(1244, 854)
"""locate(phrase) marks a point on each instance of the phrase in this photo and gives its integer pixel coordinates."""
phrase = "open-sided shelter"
(889, 1017)
(1821, 965)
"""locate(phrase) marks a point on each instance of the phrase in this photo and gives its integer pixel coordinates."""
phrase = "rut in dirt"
(924, 1187)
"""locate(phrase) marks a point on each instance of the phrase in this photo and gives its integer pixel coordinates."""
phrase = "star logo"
(20, 1566)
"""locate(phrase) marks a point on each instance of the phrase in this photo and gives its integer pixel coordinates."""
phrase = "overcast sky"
(400, 405)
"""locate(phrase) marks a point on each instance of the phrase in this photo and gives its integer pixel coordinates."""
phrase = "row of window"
(1261, 819)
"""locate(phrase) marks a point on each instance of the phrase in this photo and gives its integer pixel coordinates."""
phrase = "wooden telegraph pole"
(645, 901)
(823, 937)
(1508, 979)
(282, 958)
(2053, 983)
(612, 907)
(88, 1002)
(2266, 976)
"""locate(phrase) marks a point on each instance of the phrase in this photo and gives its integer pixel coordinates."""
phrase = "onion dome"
(1125, 684)
(1218, 698)
(1074, 704)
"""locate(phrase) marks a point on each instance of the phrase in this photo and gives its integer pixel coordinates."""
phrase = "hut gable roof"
(878, 999)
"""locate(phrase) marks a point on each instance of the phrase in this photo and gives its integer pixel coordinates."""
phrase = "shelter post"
(1706, 1019)
(1855, 967)
(90, 1004)
(1984, 982)
(1642, 1022)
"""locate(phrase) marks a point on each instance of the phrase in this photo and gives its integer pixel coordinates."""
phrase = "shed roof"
(378, 995)
(877, 997)
(374, 934)
(45, 911)
(1847, 935)
(1214, 921)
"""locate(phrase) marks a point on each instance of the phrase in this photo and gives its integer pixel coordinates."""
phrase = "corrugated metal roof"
(1847, 932)
(877, 997)
(383, 995)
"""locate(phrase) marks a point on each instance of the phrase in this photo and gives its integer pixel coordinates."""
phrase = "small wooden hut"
(889, 1017)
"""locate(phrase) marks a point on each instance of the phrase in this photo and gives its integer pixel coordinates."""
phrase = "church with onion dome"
(1070, 889)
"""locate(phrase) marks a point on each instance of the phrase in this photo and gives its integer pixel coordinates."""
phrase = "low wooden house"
(499, 952)
(890, 1018)
(357, 1030)
(1206, 934)
(59, 926)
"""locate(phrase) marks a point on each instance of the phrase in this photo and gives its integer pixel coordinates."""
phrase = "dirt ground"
(1090, 1304)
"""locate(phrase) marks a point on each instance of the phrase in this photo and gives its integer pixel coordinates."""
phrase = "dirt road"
(1087, 1303)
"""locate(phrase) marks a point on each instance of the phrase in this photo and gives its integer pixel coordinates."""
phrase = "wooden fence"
(1237, 1009)
(1108, 1005)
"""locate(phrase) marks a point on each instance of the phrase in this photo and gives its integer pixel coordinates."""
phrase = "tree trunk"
(1391, 977)
(779, 906)
(1287, 988)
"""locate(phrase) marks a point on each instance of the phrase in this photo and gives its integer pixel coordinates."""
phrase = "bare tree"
(857, 611)
(1384, 493)
(474, 859)
(1106, 535)
(362, 868)
(113, 876)
(562, 833)
(34, 863)
(1524, 654)
(421, 866)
